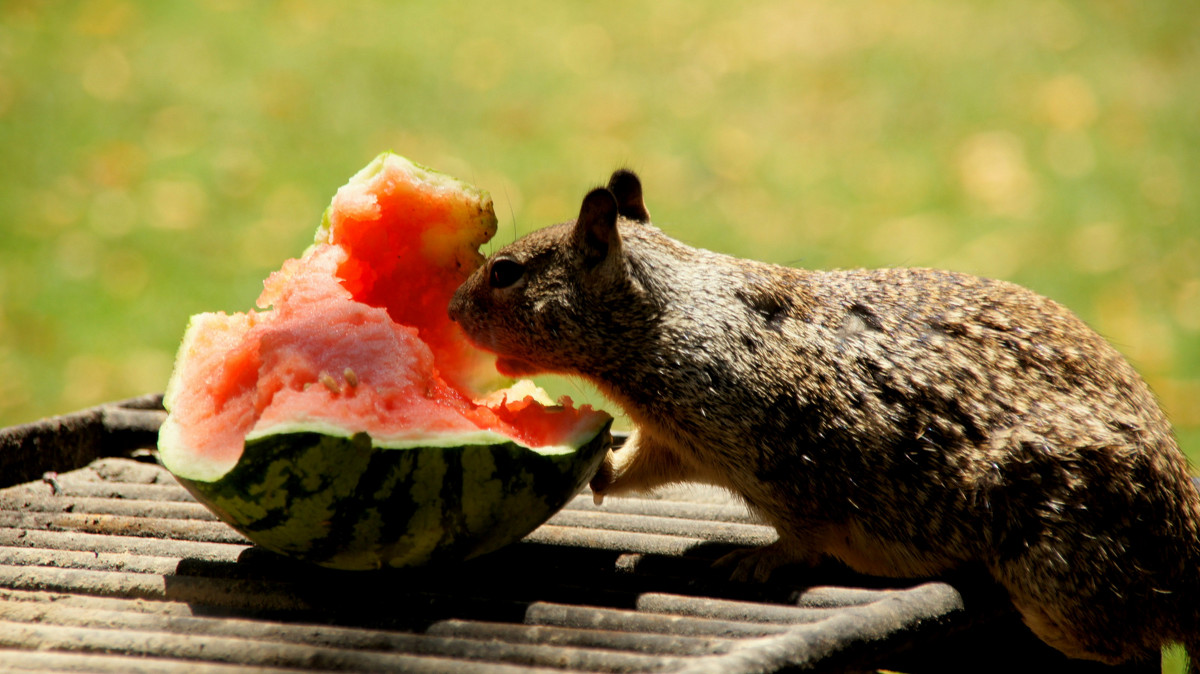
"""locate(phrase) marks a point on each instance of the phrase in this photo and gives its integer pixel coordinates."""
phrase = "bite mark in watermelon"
(347, 421)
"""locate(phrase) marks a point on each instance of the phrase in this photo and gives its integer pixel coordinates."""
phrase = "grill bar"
(45, 503)
(617, 620)
(72, 540)
(118, 525)
(719, 532)
(87, 561)
(231, 593)
(574, 636)
(741, 611)
(678, 509)
(60, 661)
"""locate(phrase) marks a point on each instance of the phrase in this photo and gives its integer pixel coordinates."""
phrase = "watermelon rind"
(348, 503)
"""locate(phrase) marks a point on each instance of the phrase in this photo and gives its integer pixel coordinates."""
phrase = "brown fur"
(904, 421)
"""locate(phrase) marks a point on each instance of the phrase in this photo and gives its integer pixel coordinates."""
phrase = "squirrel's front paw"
(603, 478)
(757, 564)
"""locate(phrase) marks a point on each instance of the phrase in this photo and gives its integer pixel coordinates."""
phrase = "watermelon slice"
(348, 422)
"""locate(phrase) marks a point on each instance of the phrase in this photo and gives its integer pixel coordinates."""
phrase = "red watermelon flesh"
(353, 337)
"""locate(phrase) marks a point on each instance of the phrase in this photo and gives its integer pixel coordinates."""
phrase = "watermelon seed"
(350, 377)
(330, 383)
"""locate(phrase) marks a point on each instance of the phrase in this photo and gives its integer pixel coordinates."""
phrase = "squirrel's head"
(556, 300)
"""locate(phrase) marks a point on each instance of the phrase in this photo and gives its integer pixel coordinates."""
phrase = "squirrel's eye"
(504, 272)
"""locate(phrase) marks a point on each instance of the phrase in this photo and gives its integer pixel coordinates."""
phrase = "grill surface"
(113, 567)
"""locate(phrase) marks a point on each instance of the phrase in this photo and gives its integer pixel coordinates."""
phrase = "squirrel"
(906, 422)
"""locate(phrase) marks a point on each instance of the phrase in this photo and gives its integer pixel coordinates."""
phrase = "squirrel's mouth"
(515, 367)
(508, 366)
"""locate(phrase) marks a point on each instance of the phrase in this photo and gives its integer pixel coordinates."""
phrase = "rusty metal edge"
(70, 441)
(852, 638)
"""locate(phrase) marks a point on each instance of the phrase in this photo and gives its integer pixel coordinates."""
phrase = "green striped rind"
(347, 504)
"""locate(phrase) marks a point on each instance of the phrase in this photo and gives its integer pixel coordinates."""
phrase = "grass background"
(159, 159)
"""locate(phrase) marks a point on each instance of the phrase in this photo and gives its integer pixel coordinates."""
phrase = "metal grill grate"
(113, 567)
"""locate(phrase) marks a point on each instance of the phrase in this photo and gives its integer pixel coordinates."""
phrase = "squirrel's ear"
(596, 229)
(627, 188)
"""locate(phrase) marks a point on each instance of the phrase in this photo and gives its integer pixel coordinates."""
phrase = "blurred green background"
(158, 159)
